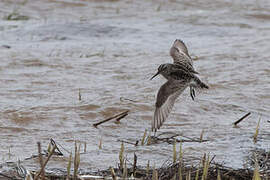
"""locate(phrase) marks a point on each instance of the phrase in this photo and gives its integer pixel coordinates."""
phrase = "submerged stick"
(242, 118)
(113, 117)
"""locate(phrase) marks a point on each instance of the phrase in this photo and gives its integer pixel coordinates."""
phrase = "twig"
(241, 119)
(110, 118)
(123, 141)
(41, 161)
(45, 163)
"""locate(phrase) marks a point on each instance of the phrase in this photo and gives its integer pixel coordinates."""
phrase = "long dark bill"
(155, 75)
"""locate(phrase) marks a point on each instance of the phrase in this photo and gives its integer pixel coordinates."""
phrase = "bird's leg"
(192, 92)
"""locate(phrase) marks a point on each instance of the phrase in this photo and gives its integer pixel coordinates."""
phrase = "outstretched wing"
(179, 53)
(166, 97)
(180, 45)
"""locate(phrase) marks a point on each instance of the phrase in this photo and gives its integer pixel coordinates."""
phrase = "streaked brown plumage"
(179, 76)
(180, 55)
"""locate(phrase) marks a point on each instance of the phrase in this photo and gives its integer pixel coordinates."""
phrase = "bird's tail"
(197, 83)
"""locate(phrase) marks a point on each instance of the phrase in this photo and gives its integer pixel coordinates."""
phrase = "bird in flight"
(179, 75)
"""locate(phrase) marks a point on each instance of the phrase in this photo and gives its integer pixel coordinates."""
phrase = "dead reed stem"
(201, 136)
(143, 138)
(69, 166)
(113, 174)
(80, 96)
(100, 144)
(76, 160)
(257, 131)
(121, 156)
(147, 168)
(41, 161)
(45, 163)
(174, 152)
(134, 165)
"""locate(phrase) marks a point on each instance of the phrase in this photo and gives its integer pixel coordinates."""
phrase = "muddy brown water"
(109, 50)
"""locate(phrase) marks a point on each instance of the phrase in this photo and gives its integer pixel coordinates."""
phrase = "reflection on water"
(109, 50)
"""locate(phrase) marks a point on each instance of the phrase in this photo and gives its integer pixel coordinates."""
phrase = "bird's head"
(161, 68)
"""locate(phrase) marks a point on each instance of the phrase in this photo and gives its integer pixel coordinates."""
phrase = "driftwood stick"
(121, 117)
(41, 161)
(45, 163)
(241, 119)
(110, 118)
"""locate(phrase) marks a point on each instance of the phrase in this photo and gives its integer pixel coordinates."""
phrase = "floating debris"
(241, 119)
(118, 116)
(14, 16)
